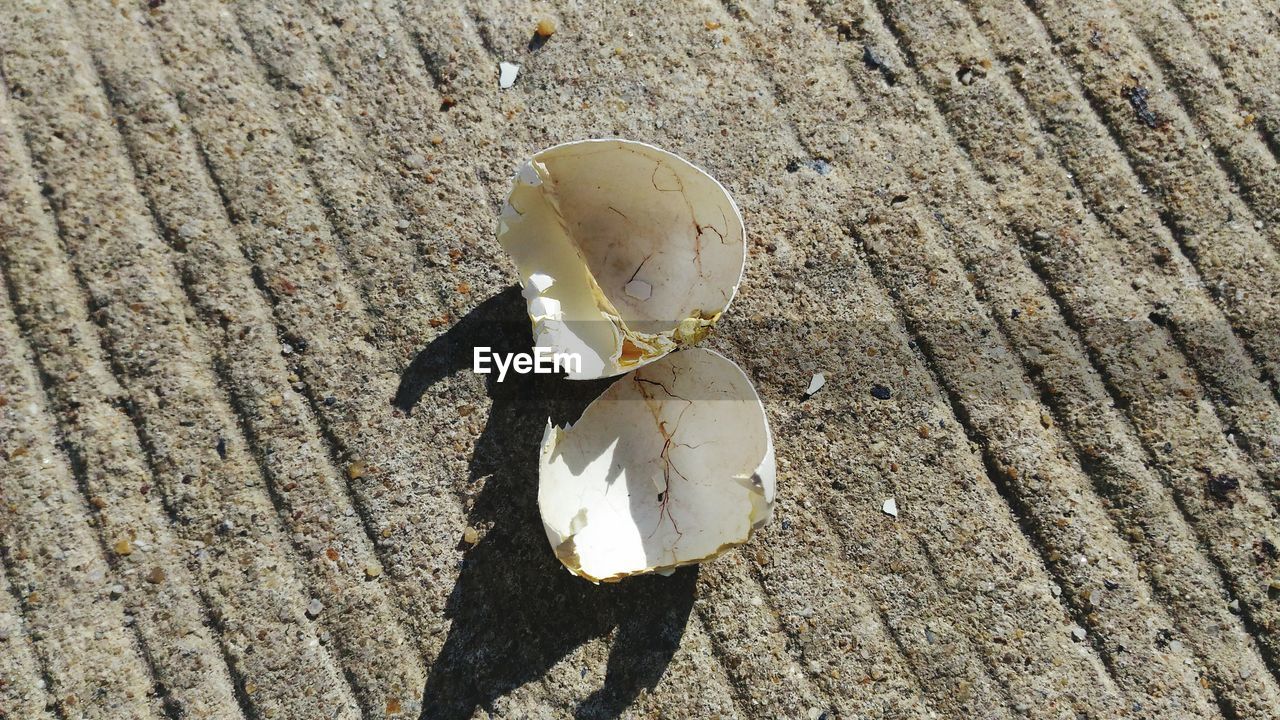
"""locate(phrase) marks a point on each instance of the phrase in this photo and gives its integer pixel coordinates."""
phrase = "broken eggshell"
(671, 466)
(625, 251)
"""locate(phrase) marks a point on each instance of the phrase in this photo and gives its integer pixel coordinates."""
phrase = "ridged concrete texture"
(246, 249)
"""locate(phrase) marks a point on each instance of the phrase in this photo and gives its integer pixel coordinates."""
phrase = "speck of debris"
(507, 73)
(330, 400)
(470, 536)
(123, 547)
(372, 571)
(818, 165)
(874, 61)
(1138, 97)
(1221, 486)
(968, 73)
(221, 447)
(156, 576)
(356, 470)
(1079, 633)
(1266, 550)
(815, 384)
(314, 607)
(890, 507)
(1014, 313)
(1111, 584)
(880, 392)
(1234, 606)
(117, 591)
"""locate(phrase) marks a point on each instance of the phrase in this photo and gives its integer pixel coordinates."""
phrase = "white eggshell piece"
(639, 289)
(671, 466)
(544, 307)
(816, 383)
(539, 282)
(507, 73)
(590, 216)
(890, 507)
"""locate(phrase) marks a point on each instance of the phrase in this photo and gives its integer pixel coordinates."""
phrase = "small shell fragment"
(639, 289)
(816, 383)
(641, 251)
(890, 507)
(671, 466)
(507, 73)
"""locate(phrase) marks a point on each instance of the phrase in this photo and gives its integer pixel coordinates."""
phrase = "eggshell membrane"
(599, 215)
(671, 466)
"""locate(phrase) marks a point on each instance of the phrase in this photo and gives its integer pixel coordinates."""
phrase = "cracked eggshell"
(639, 250)
(671, 466)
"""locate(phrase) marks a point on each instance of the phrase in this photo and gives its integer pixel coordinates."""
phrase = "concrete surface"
(246, 249)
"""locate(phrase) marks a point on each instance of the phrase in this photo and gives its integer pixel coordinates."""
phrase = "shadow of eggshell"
(671, 466)
(625, 252)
